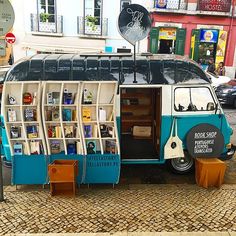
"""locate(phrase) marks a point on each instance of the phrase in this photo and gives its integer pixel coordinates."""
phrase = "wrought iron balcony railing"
(89, 28)
(170, 5)
(54, 25)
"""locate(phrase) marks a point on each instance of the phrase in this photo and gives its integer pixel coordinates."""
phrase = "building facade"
(79, 26)
(200, 29)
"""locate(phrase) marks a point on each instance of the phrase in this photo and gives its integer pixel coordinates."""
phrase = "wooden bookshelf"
(97, 118)
(60, 117)
(24, 130)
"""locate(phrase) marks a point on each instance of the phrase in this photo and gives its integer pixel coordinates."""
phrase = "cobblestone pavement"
(130, 208)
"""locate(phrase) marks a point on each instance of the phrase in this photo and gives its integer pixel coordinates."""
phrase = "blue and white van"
(165, 88)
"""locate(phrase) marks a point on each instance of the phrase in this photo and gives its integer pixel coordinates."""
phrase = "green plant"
(91, 22)
(44, 17)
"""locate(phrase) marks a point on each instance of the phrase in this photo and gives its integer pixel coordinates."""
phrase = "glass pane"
(202, 99)
(97, 3)
(97, 12)
(42, 2)
(51, 10)
(51, 18)
(182, 99)
(51, 2)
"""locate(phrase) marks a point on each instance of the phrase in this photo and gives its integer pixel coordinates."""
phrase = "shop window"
(124, 3)
(193, 99)
(46, 9)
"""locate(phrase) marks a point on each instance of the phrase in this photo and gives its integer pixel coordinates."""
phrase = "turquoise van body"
(163, 72)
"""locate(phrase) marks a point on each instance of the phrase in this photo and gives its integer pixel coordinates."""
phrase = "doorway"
(140, 123)
(166, 46)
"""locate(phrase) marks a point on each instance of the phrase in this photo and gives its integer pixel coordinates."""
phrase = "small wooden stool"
(209, 172)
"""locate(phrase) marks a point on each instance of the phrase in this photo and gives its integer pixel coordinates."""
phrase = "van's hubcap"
(182, 163)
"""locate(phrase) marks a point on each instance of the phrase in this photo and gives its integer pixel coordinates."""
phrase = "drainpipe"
(230, 29)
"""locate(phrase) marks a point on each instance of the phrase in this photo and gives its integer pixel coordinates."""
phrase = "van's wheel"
(182, 165)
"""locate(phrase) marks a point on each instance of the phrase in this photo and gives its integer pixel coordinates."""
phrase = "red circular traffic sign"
(10, 38)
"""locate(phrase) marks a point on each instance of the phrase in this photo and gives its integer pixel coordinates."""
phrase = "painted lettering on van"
(205, 135)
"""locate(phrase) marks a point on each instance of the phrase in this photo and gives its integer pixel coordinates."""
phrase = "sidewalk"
(126, 208)
(138, 234)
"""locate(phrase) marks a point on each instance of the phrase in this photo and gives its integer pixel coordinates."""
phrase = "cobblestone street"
(132, 208)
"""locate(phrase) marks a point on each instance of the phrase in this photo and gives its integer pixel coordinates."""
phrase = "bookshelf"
(21, 112)
(99, 130)
(136, 108)
(60, 104)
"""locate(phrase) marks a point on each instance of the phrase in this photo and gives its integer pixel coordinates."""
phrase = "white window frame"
(46, 6)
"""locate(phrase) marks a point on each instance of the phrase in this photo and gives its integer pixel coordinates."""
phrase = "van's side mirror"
(211, 106)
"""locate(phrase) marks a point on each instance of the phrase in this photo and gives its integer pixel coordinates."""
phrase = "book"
(71, 148)
(30, 114)
(87, 96)
(106, 131)
(27, 98)
(18, 149)
(55, 114)
(56, 97)
(67, 98)
(48, 114)
(55, 146)
(110, 147)
(66, 114)
(34, 147)
(91, 147)
(11, 99)
(86, 113)
(49, 98)
(79, 148)
(95, 131)
(15, 131)
(11, 115)
(69, 131)
(102, 114)
(32, 131)
(87, 131)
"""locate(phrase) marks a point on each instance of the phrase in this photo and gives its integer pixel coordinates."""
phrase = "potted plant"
(91, 22)
(44, 17)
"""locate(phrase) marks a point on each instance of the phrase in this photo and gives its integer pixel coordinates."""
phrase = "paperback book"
(55, 146)
(11, 115)
(110, 147)
(87, 131)
(15, 131)
(55, 114)
(32, 131)
(86, 112)
(71, 148)
(18, 149)
(35, 147)
(91, 147)
(30, 114)
(69, 131)
(67, 114)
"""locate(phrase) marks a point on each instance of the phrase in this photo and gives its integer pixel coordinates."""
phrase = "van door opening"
(140, 123)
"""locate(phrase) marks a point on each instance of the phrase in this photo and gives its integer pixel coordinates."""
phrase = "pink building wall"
(191, 21)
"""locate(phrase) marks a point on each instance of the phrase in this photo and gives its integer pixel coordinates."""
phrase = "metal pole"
(1, 181)
(135, 81)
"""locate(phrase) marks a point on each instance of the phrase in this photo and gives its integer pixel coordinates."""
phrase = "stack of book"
(55, 146)
(68, 114)
(30, 114)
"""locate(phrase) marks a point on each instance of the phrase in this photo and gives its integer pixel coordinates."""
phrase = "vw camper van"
(132, 110)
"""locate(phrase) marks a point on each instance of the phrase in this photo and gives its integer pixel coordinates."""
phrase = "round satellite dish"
(7, 17)
(134, 23)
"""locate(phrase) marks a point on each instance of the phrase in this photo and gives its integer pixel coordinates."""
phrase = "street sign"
(2, 48)
(10, 38)
(7, 17)
(134, 23)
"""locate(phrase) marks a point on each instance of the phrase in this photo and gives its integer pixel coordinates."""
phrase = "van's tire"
(180, 165)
